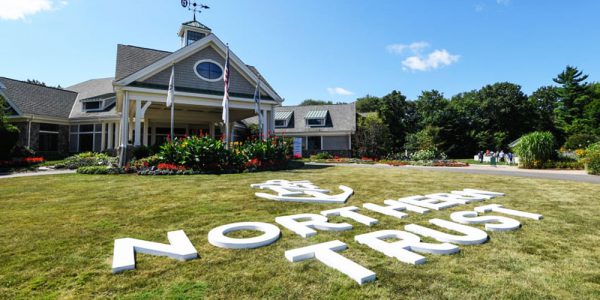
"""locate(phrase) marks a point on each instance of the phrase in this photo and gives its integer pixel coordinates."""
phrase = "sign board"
(298, 147)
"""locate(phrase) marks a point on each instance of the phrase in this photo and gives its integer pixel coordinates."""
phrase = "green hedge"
(100, 170)
(87, 159)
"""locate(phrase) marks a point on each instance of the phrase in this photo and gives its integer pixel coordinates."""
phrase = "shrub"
(323, 155)
(592, 159)
(9, 135)
(535, 149)
(140, 152)
(424, 155)
(580, 141)
(206, 154)
(100, 170)
(147, 162)
(87, 159)
(592, 163)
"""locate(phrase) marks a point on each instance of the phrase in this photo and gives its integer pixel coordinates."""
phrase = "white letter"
(499, 209)
(124, 252)
(470, 217)
(326, 253)
(456, 198)
(349, 212)
(217, 235)
(493, 194)
(314, 221)
(472, 235)
(431, 203)
(402, 249)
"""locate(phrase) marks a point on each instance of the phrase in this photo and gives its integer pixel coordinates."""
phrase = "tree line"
(489, 118)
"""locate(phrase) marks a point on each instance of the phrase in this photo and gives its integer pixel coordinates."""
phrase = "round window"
(208, 70)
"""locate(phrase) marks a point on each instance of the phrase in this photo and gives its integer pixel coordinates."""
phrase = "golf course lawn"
(57, 235)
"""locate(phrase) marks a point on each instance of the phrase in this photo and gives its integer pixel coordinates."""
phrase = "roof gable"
(168, 60)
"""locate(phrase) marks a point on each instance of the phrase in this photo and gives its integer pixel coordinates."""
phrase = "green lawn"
(57, 235)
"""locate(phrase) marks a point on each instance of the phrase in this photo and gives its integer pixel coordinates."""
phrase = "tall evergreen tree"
(573, 97)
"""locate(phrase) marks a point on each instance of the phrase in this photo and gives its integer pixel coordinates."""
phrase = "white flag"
(225, 115)
(171, 92)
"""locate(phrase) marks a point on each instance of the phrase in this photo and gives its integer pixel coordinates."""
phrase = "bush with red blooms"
(171, 167)
(21, 162)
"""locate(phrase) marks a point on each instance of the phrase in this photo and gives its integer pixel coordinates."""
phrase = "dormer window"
(282, 119)
(316, 118)
(97, 104)
(93, 105)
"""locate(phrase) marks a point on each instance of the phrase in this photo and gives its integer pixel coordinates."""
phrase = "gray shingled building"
(321, 127)
(129, 110)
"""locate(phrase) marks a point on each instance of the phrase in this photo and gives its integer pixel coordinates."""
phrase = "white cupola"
(192, 31)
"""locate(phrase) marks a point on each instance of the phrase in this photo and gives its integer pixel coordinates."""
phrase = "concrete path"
(37, 173)
(570, 175)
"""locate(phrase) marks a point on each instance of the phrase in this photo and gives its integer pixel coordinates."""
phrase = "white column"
(125, 122)
(265, 124)
(272, 119)
(350, 141)
(153, 137)
(138, 123)
(110, 138)
(103, 137)
(145, 137)
(117, 136)
(321, 142)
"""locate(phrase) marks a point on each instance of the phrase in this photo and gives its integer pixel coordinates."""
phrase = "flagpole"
(173, 119)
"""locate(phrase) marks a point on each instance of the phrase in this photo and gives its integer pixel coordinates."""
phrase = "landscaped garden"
(58, 231)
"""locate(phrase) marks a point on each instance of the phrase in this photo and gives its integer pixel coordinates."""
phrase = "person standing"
(501, 155)
(510, 158)
(480, 155)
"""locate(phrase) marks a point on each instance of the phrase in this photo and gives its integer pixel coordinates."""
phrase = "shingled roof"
(38, 100)
(340, 117)
(131, 59)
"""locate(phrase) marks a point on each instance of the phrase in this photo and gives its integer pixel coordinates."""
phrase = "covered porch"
(145, 119)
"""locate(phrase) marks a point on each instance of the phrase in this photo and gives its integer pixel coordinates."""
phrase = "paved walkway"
(37, 173)
(570, 175)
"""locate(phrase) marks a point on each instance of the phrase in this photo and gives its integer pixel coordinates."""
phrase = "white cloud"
(434, 60)
(415, 47)
(19, 9)
(339, 91)
(479, 7)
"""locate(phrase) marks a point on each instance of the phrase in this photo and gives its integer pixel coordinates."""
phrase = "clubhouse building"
(105, 114)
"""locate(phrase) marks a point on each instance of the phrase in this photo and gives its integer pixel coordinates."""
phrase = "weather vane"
(192, 5)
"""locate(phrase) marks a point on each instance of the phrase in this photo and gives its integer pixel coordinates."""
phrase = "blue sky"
(333, 50)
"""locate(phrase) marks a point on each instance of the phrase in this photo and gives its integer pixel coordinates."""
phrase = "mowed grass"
(57, 234)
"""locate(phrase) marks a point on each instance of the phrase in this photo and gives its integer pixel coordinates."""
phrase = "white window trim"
(211, 61)
(323, 122)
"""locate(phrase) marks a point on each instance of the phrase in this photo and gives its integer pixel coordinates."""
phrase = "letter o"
(217, 236)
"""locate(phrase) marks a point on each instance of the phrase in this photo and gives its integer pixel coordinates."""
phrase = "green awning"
(316, 114)
(283, 115)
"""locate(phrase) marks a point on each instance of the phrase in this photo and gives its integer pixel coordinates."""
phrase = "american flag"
(226, 94)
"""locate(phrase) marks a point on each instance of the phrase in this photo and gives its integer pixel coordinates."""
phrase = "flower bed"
(21, 162)
(206, 155)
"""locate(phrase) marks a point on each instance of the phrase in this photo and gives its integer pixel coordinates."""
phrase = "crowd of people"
(496, 157)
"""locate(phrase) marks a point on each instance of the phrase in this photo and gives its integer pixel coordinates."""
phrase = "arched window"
(208, 70)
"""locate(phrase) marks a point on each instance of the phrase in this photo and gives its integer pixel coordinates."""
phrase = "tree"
(399, 117)
(41, 83)
(432, 109)
(9, 134)
(573, 96)
(592, 109)
(545, 101)
(368, 103)
(318, 102)
(372, 136)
